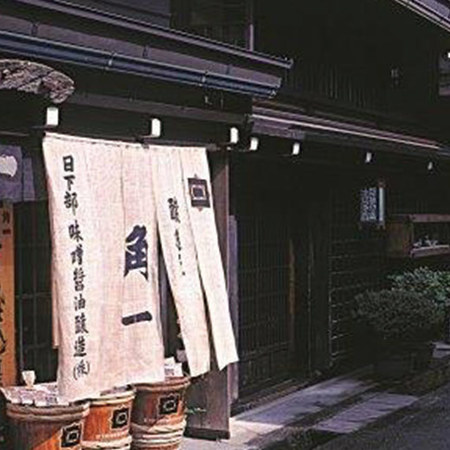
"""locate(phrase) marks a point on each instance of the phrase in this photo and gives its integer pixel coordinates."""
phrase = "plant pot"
(446, 327)
(423, 353)
(394, 366)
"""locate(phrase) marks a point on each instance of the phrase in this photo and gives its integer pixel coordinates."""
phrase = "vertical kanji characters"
(136, 250)
(71, 201)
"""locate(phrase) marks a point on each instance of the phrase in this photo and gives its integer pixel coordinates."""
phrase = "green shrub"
(433, 284)
(397, 316)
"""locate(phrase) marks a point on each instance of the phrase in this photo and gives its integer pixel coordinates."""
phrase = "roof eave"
(47, 50)
(157, 31)
(432, 10)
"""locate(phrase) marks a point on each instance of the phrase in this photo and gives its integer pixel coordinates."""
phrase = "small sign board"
(372, 205)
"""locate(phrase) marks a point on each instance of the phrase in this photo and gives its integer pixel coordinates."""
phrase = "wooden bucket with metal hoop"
(108, 423)
(47, 428)
(158, 419)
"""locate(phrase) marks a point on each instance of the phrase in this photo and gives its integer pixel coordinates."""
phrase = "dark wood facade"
(365, 84)
(365, 79)
(127, 67)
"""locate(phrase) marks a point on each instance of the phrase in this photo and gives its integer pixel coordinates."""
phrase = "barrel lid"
(175, 382)
(47, 414)
(81, 407)
(40, 395)
(117, 393)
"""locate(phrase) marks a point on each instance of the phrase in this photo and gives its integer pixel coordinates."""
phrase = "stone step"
(254, 428)
(364, 413)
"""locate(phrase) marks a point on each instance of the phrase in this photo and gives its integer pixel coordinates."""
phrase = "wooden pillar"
(210, 397)
(7, 321)
(233, 293)
(319, 253)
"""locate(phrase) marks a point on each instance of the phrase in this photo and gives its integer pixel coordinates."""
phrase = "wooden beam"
(154, 108)
(187, 43)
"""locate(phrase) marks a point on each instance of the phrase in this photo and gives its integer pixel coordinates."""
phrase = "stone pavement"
(423, 426)
(337, 407)
(364, 413)
(251, 427)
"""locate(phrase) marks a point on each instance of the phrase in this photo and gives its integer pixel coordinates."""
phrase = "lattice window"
(33, 292)
(357, 264)
(264, 316)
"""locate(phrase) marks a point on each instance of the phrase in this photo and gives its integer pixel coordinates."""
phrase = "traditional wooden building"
(332, 151)
(361, 115)
(361, 108)
(116, 70)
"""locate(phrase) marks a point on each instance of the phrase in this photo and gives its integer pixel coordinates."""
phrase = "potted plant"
(400, 325)
(434, 284)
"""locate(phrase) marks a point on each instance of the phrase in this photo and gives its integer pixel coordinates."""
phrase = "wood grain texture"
(54, 428)
(108, 421)
(319, 269)
(8, 371)
(160, 403)
(211, 394)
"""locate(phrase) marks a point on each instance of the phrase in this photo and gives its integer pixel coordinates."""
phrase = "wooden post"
(210, 397)
(292, 297)
(7, 301)
(319, 273)
(7, 321)
(233, 293)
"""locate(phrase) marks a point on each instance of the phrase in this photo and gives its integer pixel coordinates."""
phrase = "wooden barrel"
(158, 420)
(47, 428)
(108, 423)
(3, 424)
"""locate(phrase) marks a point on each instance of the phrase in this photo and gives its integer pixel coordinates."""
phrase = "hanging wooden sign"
(7, 325)
(372, 204)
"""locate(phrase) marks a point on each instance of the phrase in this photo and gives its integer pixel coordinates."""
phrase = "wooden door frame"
(212, 395)
(312, 246)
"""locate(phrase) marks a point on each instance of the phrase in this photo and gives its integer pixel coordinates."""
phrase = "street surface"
(425, 425)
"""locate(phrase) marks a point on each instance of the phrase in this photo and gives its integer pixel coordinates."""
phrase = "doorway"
(266, 276)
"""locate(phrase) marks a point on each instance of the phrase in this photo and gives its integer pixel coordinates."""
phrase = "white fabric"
(115, 354)
(125, 193)
(141, 294)
(178, 248)
(103, 167)
(54, 291)
(195, 165)
(61, 218)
